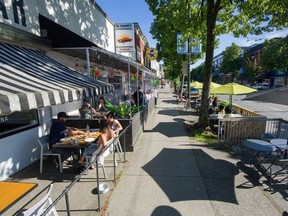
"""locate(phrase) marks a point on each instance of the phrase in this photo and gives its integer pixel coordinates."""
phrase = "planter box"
(138, 122)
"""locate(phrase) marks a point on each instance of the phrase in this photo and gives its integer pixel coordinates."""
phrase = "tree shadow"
(183, 178)
(165, 210)
(168, 129)
(175, 112)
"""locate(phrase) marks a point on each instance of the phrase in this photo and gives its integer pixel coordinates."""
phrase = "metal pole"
(188, 61)
(67, 203)
(88, 62)
(129, 85)
(97, 176)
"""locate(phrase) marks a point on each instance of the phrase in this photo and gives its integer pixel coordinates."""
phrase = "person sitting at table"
(101, 105)
(215, 102)
(58, 131)
(106, 134)
(86, 111)
(113, 123)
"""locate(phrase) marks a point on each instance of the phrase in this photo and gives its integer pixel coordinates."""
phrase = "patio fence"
(77, 178)
(235, 130)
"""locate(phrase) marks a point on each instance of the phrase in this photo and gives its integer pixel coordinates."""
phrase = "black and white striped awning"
(30, 79)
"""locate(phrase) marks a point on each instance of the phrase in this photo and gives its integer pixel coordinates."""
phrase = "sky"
(122, 11)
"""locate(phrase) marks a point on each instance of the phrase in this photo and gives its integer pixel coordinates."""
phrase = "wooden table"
(81, 141)
(11, 192)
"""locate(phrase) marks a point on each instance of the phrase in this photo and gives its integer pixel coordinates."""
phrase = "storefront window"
(17, 121)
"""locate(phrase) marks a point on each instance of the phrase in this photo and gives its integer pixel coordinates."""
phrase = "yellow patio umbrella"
(197, 85)
(214, 85)
(232, 89)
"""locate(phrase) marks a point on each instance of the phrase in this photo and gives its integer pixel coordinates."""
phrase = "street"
(271, 110)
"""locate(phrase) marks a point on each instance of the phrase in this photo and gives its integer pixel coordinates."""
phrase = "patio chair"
(275, 169)
(118, 147)
(45, 151)
(39, 208)
(266, 136)
(100, 156)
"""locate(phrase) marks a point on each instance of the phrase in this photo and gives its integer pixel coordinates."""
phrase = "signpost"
(183, 47)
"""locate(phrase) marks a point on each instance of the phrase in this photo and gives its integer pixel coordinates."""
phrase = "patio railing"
(77, 178)
(235, 130)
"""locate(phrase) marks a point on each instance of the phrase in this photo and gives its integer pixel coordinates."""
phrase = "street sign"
(182, 46)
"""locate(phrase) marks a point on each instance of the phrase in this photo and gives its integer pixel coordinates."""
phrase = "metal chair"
(267, 136)
(45, 151)
(39, 208)
(275, 169)
(100, 155)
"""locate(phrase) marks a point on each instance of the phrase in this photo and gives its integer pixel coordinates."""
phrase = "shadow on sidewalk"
(175, 171)
(50, 172)
(175, 112)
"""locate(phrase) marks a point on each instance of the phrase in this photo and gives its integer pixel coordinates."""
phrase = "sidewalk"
(168, 174)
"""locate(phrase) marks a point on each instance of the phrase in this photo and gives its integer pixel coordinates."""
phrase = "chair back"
(40, 207)
(44, 143)
(266, 136)
(104, 152)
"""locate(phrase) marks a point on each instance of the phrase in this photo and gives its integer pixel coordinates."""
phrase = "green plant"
(123, 110)
(206, 136)
(225, 105)
(155, 83)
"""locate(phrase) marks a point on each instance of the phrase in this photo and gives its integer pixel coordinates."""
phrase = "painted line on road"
(275, 109)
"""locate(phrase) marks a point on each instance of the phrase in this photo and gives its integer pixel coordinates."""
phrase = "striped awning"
(30, 79)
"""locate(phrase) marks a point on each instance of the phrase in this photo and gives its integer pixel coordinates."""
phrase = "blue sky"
(137, 11)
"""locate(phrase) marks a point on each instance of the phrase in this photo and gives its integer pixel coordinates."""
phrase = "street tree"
(275, 55)
(207, 19)
(231, 60)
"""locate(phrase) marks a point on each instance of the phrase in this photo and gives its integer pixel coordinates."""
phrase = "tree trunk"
(212, 11)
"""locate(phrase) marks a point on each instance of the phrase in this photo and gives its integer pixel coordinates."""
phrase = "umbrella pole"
(230, 101)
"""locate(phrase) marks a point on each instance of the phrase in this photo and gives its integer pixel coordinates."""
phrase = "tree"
(252, 69)
(209, 18)
(197, 73)
(231, 60)
(275, 55)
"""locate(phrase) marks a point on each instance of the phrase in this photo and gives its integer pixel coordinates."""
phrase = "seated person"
(86, 111)
(101, 105)
(215, 102)
(106, 134)
(58, 131)
(113, 123)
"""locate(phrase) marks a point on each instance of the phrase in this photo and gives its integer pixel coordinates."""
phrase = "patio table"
(80, 144)
(259, 146)
(11, 192)
(281, 144)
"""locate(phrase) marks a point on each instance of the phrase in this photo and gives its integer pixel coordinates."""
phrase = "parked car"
(261, 86)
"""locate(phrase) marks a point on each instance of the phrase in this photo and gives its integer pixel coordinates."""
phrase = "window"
(17, 122)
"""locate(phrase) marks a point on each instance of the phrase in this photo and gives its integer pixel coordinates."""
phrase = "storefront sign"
(17, 13)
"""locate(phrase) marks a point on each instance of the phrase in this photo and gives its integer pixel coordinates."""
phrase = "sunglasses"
(110, 117)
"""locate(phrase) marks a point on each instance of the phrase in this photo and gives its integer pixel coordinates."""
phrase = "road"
(271, 110)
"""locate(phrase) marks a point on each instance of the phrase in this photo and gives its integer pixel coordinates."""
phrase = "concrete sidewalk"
(170, 174)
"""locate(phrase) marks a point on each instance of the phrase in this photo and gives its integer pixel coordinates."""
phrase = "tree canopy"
(231, 60)
(206, 19)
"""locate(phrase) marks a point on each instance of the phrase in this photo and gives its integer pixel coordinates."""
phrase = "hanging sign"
(151, 54)
(182, 46)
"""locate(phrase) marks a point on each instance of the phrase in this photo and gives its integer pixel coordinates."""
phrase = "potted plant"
(225, 105)
(122, 110)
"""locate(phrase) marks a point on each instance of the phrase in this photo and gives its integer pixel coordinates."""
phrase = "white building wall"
(81, 17)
